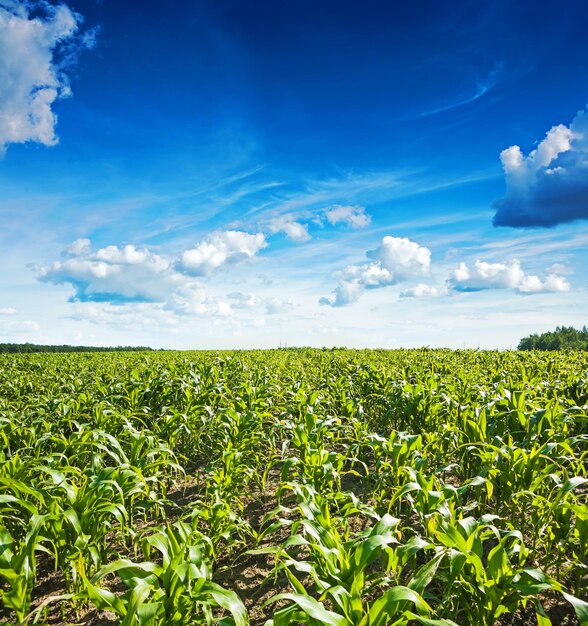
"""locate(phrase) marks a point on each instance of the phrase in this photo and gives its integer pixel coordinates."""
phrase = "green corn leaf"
(104, 599)
(425, 574)
(135, 602)
(580, 607)
(573, 483)
(389, 604)
(128, 570)
(542, 619)
(427, 621)
(229, 601)
(310, 607)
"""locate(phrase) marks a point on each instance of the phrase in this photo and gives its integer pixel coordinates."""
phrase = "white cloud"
(549, 186)
(560, 268)
(16, 328)
(30, 80)
(368, 275)
(130, 255)
(487, 276)
(8, 310)
(404, 258)
(244, 300)
(551, 284)
(128, 317)
(193, 298)
(114, 274)
(323, 330)
(219, 249)
(128, 275)
(421, 291)
(275, 305)
(79, 247)
(352, 216)
(251, 301)
(295, 225)
(295, 231)
(523, 170)
(395, 260)
(344, 293)
(482, 276)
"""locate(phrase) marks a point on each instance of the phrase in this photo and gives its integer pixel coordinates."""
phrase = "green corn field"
(300, 486)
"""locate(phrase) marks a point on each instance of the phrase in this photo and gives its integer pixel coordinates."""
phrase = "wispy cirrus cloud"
(483, 85)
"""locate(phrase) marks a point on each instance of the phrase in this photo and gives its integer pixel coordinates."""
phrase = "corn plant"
(486, 575)
(18, 567)
(341, 570)
(177, 591)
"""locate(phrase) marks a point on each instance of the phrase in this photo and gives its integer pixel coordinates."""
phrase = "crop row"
(363, 488)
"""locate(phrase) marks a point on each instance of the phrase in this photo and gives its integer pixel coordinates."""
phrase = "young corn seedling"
(485, 574)
(175, 589)
(343, 572)
(18, 567)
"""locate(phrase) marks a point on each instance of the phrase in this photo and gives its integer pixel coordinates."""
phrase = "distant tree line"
(562, 338)
(33, 347)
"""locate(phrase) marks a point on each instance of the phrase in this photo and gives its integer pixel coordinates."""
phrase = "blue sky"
(221, 174)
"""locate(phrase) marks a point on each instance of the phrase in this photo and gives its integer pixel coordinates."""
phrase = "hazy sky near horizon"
(226, 174)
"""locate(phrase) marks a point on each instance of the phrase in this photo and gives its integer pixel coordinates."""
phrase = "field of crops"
(364, 488)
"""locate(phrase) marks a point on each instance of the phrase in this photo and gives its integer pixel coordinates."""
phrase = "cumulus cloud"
(549, 186)
(295, 231)
(8, 310)
(219, 249)
(128, 274)
(118, 276)
(482, 276)
(352, 216)
(404, 258)
(395, 260)
(369, 274)
(31, 80)
(552, 283)
(113, 274)
(421, 291)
